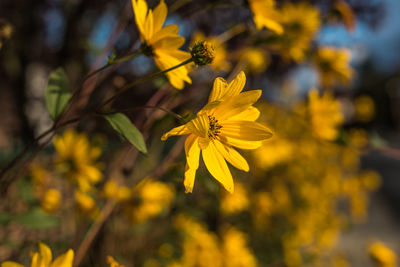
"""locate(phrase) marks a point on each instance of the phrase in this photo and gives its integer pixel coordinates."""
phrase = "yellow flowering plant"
(295, 192)
(227, 121)
(44, 258)
(161, 43)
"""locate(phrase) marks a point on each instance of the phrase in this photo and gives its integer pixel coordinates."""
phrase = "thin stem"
(113, 62)
(93, 231)
(141, 80)
(176, 115)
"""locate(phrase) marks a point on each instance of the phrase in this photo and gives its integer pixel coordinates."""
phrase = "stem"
(93, 231)
(141, 80)
(113, 62)
(176, 115)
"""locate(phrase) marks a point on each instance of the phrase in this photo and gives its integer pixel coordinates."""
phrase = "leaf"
(124, 127)
(37, 219)
(5, 218)
(57, 92)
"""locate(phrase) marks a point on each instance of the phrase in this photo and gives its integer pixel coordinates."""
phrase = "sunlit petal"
(217, 166)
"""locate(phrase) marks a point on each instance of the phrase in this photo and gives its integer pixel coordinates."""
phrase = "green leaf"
(37, 219)
(5, 218)
(57, 92)
(125, 128)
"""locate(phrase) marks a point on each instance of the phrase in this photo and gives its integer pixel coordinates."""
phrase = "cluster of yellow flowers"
(283, 212)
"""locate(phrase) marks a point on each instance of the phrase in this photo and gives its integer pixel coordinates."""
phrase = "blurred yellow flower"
(235, 250)
(266, 15)
(113, 263)
(383, 256)
(364, 108)
(255, 58)
(333, 66)
(43, 258)
(227, 121)
(113, 190)
(220, 61)
(236, 202)
(77, 159)
(85, 202)
(200, 247)
(325, 115)
(51, 200)
(161, 43)
(300, 22)
(273, 151)
(154, 196)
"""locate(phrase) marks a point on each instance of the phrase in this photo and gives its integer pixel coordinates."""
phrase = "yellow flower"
(300, 22)
(273, 152)
(333, 66)
(325, 115)
(113, 190)
(364, 108)
(43, 258)
(154, 198)
(51, 200)
(255, 58)
(236, 202)
(227, 121)
(265, 15)
(200, 246)
(383, 255)
(220, 60)
(162, 43)
(236, 251)
(76, 158)
(85, 202)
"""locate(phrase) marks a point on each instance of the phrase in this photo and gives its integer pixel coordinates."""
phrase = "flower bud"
(203, 53)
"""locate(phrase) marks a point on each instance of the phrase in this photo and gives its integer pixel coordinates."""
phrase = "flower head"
(220, 61)
(300, 22)
(325, 115)
(43, 258)
(162, 43)
(266, 15)
(333, 66)
(77, 159)
(227, 121)
(203, 53)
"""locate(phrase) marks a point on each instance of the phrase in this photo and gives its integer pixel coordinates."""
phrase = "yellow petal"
(160, 13)
(64, 260)
(217, 166)
(169, 42)
(44, 254)
(232, 156)
(222, 90)
(236, 86)
(148, 26)
(250, 114)
(140, 10)
(180, 130)
(167, 31)
(192, 151)
(236, 104)
(166, 59)
(242, 144)
(199, 125)
(245, 130)
(218, 88)
(11, 264)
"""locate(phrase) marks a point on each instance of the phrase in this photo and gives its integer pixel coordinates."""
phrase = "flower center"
(214, 128)
(147, 50)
